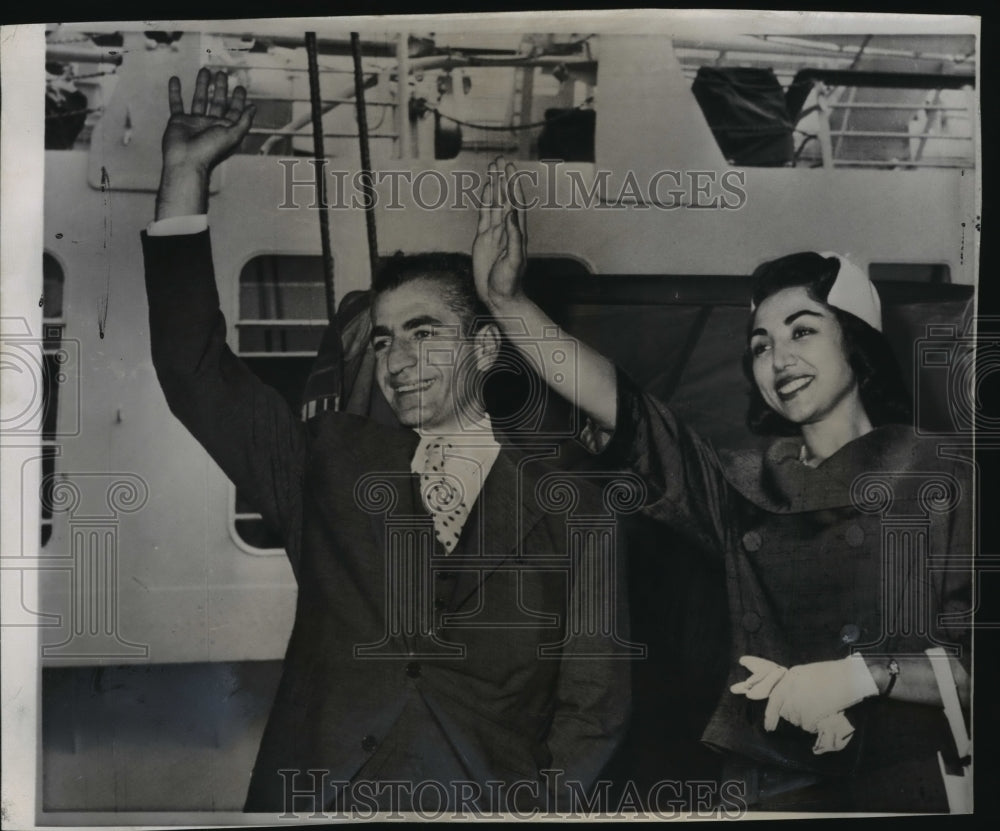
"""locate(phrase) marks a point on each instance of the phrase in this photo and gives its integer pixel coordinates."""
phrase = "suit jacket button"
(752, 541)
(850, 633)
(855, 536)
(369, 743)
(439, 604)
(413, 669)
(750, 621)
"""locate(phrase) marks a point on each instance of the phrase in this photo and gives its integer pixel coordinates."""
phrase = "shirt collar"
(478, 445)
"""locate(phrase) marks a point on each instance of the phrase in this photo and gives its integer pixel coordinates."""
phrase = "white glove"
(808, 692)
(764, 674)
(833, 730)
(833, 733)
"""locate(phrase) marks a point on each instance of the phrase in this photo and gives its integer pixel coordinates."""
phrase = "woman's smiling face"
(798, 357)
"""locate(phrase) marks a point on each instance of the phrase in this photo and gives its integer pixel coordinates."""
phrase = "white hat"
(852, 292)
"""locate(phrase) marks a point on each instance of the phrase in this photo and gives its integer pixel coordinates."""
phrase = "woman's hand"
(499, 256)
(499, 252)
(833, 732)
(808, 693)
(809, 696)
(764, 674)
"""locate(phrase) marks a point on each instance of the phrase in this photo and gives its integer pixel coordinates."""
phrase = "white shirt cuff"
(178, 225)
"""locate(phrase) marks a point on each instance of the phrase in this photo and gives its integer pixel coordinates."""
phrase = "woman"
(828, 537)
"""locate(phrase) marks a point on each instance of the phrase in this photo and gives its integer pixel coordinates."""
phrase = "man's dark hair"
(453, 272)
(880, 382)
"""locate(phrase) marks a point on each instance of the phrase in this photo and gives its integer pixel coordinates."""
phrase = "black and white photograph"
(493, 417)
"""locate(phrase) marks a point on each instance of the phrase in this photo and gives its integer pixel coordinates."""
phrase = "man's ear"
(486, 343)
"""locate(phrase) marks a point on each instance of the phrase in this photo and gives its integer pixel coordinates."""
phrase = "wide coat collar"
(778, 481)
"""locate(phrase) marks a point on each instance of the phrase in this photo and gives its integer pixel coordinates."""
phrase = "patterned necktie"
(443, 494)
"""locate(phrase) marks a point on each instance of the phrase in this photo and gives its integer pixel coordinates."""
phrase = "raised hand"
(213, 128)
(195, 142)
(499, 252)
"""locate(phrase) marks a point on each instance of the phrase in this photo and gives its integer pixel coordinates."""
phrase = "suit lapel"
(502, 519)
(392, 452)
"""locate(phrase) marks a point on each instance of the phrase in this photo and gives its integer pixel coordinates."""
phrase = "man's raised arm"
(245, 425)
(499, 256)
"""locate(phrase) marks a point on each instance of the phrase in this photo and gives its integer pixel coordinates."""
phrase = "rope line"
(512, 127)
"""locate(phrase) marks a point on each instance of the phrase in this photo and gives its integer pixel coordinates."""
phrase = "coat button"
(444, 575)
(413, 669)
(750, 621)
(752, 541)
(855, 536)
(439, 604)
(850, 633)
(369, 743)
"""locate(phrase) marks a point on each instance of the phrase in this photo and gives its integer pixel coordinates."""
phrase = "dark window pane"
(910, 272)
(51, 373)
(282, 286)
(298, 301)
(48, 480)
(52, 287)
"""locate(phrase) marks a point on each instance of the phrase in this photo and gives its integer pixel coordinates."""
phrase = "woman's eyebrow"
(795, 315)
(789, 320)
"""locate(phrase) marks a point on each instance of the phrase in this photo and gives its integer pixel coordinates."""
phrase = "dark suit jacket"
(403, 663)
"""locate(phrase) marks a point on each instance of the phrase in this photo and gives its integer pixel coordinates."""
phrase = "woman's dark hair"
(880, 382)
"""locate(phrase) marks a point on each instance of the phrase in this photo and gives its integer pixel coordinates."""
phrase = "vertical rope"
(319, 156)
(367, 185)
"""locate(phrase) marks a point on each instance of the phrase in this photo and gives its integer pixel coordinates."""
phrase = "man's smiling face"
(423, 357)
